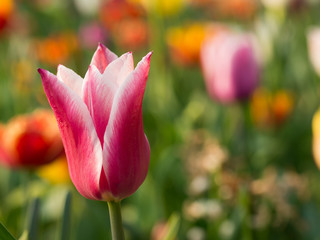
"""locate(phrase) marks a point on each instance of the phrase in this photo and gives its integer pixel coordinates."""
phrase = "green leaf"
(65, 228)
(4, 233)
(173, 227)
(33, 219)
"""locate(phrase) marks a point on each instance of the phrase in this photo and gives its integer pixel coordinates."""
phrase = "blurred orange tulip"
(30, 140)
(6, 9)
(269, 109)
(240, 9)
(56, 49)
(126, 23)
(185, 43)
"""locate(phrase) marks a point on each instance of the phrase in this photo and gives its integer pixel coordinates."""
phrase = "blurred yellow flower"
(162, 7)
(270, 109)
(23, 73)
(316, 137)
(56, 172)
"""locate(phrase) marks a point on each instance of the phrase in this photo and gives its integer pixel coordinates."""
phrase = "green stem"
(116, 221)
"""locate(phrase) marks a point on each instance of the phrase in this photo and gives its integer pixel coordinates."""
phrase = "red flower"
(30, 140)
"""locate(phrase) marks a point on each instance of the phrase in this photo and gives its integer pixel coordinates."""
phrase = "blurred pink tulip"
(313, 40)
(90, 34)
(100, 120)
(229, 66)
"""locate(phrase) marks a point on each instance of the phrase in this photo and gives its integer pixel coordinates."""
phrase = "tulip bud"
(100, 121)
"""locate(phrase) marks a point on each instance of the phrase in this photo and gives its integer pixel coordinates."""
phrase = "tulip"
(229, 66)
(271, 109)
(316, 137)
(126, 23)
(100, 121)
(90, 34)
(184, 43)
(30, 140)
(6, 10)
(313, 40)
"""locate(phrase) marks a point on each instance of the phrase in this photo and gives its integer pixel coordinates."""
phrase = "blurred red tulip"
(30, 140)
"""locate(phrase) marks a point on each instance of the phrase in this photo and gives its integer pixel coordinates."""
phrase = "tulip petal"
(4, 155)
(126, 151)
(70, 78)
(118, 70)
(78, 134)
(102, 58)
(98, 96)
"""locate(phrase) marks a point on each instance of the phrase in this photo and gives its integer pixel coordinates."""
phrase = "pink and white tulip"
(100, 121)
(229, 66)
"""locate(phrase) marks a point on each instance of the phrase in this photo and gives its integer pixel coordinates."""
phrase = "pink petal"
(70, 78)
(98, 96)
(119, 70)
(126, 151)
(102, 58)
(82, 146)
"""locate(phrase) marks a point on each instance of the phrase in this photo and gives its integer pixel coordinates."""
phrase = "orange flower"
(56, 49)
(126, 23)
(185, 42)
(269, 109)
(114, 11)
(6, 9)
(242, 9)
(282, 106)
(30, 140)
(131, 34)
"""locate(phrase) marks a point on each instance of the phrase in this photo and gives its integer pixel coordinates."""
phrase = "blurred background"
(230, 111)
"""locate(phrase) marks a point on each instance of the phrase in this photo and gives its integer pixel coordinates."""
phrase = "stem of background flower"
(246, 135)
(116, 221)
